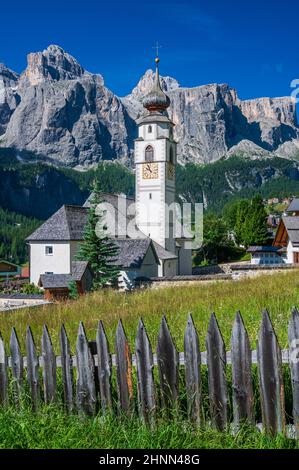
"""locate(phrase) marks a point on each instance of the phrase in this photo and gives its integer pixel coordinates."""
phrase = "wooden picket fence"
(95, 367)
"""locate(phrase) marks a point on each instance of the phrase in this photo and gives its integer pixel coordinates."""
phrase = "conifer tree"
(255, 227)
(97, 248)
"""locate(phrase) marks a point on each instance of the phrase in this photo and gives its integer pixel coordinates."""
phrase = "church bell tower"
(155, 162)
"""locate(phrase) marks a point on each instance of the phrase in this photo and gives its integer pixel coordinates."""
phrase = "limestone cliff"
(67, 116)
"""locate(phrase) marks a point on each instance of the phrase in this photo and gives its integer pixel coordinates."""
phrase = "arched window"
(149, 154)
(171, 155)
(150, 129)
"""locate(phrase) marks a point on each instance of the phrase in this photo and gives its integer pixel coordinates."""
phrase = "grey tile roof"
(294, 206)
(66, 224)
(55, 281)
(131, 252)
(263, 249)
(78, 269)
(163, 253)
(292, 226)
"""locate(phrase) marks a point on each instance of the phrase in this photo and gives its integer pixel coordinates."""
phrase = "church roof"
(163, 253)
(62, 281)
(131, 252)
(66, 224)
(156, 99)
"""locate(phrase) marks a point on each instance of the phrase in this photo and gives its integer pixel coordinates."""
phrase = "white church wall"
(290, 253)
(59, 262)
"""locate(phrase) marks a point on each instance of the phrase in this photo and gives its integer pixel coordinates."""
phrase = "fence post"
(294, 364)
(216, 360)
(32, 369)
(241, 373)
(67, 370)
(192, 371)
(17, 366)
(3, 375)
(168, 365)
(49, 367)
(123, 370)
(145, 365)
(270, 378)
(86, 393)
(104, 368)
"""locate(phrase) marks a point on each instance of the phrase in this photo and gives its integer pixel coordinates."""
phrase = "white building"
(285, 248)
(158, 248)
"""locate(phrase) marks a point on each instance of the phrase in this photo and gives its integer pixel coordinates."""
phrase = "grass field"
(51, 428)
(277, 292)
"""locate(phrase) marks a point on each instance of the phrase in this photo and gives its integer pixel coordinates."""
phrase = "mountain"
(64, 115)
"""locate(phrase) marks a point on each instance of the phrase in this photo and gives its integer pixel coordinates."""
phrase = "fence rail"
(87, 375)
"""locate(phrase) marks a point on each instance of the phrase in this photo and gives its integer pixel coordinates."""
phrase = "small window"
(150, 195)
(49, 272)
(49, 250)
(171, 155)
(150, 129)
(149, 154)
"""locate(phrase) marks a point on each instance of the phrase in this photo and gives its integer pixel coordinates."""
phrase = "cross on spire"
(157, 47)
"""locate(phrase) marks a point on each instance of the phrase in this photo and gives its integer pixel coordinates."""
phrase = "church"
(156, 248)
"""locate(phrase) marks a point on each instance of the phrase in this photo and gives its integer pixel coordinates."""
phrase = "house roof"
(263, 249)
(78, 269)
(62, 281)
(294, 205)
(3, 261)
(292, 226)
(131, 252)
(55, 281)
(67, 223)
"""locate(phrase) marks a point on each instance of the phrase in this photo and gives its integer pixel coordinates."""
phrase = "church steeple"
(156, 100)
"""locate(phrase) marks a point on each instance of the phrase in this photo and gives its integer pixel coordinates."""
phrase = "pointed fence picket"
(216, 359)
(32, 369)
(96, 368)
(270, 378)
(294, 364)
(67, 370)
(123, 370)
(242, 389)
(17, 366)
(3, 374)
(192, 371)
(86, 391)
(168, 366)
(104, 368)
(49, 367)
(145, 366)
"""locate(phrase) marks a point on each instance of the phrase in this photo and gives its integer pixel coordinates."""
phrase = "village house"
(285, 248)
(156, 249)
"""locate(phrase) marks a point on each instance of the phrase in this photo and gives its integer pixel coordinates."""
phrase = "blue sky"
(251, 45)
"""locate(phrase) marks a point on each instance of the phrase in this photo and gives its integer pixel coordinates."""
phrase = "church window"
(150, 195)
(150, 129)
(149, 154)
(171, 155)
(49, 250)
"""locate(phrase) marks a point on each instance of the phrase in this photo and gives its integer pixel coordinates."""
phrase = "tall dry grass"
(278, 292)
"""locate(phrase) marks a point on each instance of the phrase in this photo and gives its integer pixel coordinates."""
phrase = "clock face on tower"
(150, 171)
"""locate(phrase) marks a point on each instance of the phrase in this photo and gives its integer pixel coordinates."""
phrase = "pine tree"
(256, 231)
(97, 248)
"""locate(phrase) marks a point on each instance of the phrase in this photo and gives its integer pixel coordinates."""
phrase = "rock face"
(211, 119)
(67, 116)
(9, 98)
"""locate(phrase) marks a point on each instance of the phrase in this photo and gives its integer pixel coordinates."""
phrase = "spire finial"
(157, 47)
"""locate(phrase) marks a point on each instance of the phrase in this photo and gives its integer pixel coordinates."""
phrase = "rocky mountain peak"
(145, 84)
(51, 64)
